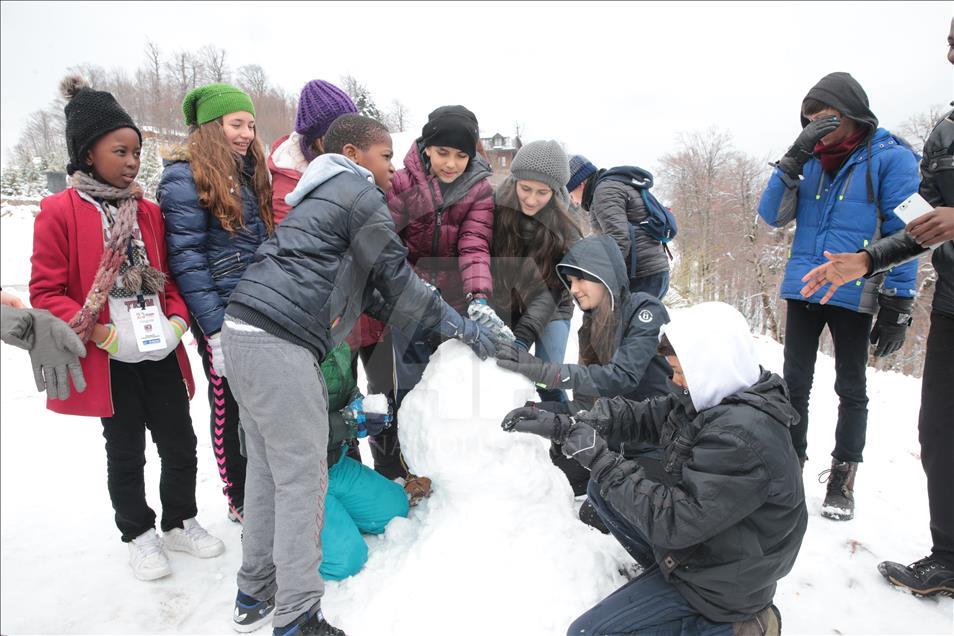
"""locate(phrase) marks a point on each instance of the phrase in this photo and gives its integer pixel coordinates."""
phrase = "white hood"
(716, 351)
(320, 170)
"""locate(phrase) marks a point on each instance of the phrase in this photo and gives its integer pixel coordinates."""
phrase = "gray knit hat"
(543, 161)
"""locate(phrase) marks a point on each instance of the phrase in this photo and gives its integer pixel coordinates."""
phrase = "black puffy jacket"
(336, 256)
(733, 523)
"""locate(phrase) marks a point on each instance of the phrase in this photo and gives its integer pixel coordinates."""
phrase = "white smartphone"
(913, 207)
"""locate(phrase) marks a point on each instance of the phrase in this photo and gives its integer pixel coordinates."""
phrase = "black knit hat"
(90, 114)
(452, 126)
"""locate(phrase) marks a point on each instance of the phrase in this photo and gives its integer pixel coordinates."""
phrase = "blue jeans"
(655, 284)
(646, 605)
(551, 347)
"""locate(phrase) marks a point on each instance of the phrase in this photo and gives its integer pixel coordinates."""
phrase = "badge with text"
(147, 325)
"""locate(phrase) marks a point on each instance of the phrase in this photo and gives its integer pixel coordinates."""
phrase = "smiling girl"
(216, 198)
(532, 232)
(99, 263)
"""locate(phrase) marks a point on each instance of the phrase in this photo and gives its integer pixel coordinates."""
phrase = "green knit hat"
(205, 103)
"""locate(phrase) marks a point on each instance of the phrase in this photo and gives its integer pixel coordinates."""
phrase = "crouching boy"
(335, 256)
(715, 538)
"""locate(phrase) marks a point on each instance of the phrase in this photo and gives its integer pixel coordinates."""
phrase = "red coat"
(67, 248)
(284, 179)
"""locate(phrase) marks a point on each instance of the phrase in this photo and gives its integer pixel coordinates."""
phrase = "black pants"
(224, 428)
(849, 331)
(149, 395)
(936, 433)
(378, 361)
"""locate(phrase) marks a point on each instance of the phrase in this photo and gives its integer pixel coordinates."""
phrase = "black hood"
(843, 93)
(769, 395)
(599, 256)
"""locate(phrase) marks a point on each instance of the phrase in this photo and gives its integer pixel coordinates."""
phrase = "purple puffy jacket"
(448, 240)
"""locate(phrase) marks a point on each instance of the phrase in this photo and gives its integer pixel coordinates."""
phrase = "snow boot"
(589, 516)
(768, 622)
(840, 497)
(927, 577)
(251, 613)
(311, 623)
(147, 558)
(194, 539)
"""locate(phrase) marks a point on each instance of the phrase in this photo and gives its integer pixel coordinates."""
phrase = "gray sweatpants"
(283, 405)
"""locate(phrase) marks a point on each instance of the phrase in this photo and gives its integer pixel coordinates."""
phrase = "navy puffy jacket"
(206, 261)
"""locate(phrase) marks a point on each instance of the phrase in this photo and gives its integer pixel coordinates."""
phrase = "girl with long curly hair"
(216, 197)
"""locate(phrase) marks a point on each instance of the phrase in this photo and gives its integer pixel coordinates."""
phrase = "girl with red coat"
(443, 209)
(99, 263)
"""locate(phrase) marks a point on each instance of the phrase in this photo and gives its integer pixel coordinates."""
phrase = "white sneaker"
(146, 557)
(193, 538)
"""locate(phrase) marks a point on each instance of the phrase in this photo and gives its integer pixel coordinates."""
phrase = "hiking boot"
(589, 516)
(768, 622)
(840, 497)
(310, 623)
(251, 613)
(927, 577)
(193, 538)
(147, 558)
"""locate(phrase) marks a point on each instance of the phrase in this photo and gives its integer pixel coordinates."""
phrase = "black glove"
(474, 335)
(547, 375)
(530, 419)
(583, 444)
(894, 318)
(804, 146)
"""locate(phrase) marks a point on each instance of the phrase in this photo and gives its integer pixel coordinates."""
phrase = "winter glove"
(179, 327)
(479, 311)
(16, 327)
(366, 422)
(471, 333)
(546, 375)
(804, 146)
(894, 318)
(583, 444)
(218, 360)
(530, 419)
(55, 356)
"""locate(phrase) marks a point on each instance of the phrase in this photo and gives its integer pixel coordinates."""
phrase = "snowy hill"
(64, 570)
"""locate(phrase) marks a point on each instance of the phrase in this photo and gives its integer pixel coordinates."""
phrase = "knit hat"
(454, 127)
(205, 103)
(319, 104)
(542, 161)
(580, 170)
(90, 114)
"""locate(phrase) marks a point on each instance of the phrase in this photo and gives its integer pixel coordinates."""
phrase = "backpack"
(659, 224)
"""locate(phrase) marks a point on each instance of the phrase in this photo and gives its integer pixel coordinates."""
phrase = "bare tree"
(397, 116)
(185, 71)
(214, 62)
(916, 128)
(253, 80)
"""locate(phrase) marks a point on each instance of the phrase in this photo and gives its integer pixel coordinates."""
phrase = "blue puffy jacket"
(836, 215)
(206, 261)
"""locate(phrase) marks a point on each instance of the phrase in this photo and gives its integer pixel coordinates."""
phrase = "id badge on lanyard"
(146, 321)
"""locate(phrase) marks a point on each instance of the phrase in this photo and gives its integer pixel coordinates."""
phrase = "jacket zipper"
(438, 213)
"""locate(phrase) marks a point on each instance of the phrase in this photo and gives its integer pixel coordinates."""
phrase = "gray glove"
(17, 327)
(479, 311)
(804, 146)
(55, 356)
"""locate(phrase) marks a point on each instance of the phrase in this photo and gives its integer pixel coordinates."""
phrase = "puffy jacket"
(616, 206)
(205, 260)
(733, 523)
(937, 187)
(335, 256)
(67, 248)
(447, 235)
(836, 215)
(635, 371)
(286, 163)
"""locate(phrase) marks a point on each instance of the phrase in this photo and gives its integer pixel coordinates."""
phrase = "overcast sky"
(616, 81)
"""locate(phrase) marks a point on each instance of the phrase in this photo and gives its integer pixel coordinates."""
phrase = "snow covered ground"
(494, 550)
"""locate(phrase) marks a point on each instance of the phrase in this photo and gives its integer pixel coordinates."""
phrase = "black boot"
(311, 623)
(589, 517)
(768, 622)
(840, 497)
(927, 577)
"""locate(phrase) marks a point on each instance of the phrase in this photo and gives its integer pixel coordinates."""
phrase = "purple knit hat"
(320, 104)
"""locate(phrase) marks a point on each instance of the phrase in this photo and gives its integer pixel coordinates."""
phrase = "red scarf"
(832, 157)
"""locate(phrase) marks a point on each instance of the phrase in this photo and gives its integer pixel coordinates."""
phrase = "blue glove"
(474, 335)
(480, 311)
(366, 423)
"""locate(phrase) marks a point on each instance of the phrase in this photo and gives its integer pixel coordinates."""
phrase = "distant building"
(500, 151)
